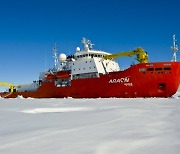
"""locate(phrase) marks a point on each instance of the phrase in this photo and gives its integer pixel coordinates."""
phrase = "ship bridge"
(88, 51)
(90, 54)
(90, 62)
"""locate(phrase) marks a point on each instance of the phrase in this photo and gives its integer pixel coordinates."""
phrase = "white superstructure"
(86, 63)
(92, 61)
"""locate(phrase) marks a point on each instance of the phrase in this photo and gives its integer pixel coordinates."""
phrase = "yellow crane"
(141, 55)
(11, 86)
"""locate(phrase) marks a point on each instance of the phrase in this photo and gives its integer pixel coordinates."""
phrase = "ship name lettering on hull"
(128, 84)
(120, 80)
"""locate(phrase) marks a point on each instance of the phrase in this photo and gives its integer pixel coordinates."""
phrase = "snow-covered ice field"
(90, 126)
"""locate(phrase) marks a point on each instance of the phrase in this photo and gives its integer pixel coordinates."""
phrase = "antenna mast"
(55, 56)
(87, 44)
(174, 49)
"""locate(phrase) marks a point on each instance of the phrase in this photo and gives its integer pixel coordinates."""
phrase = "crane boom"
(11, 86)
(141, 55)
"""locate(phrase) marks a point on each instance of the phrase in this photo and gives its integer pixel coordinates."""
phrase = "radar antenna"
(90, 45)
(87, 44)
(174, 49)
(84, 42)
(55, 56)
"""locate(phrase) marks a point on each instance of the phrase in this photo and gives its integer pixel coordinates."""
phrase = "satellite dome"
(62, 57)
(78, 49)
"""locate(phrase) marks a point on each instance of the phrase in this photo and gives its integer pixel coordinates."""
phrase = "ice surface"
(55, 110)
(92, 126)
(177, 95)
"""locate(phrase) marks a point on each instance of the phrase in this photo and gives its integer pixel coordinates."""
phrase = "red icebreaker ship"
(92, 73)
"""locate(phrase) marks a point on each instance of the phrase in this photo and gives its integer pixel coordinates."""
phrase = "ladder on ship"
(11, 88)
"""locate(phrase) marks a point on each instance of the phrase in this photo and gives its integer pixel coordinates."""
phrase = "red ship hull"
(160, 79)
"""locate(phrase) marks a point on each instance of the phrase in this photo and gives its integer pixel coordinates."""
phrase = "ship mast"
(55, 56)
(174, 49)
(87, 44)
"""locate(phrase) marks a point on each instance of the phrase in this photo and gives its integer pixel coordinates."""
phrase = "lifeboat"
(63, 74)
(49, 76)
